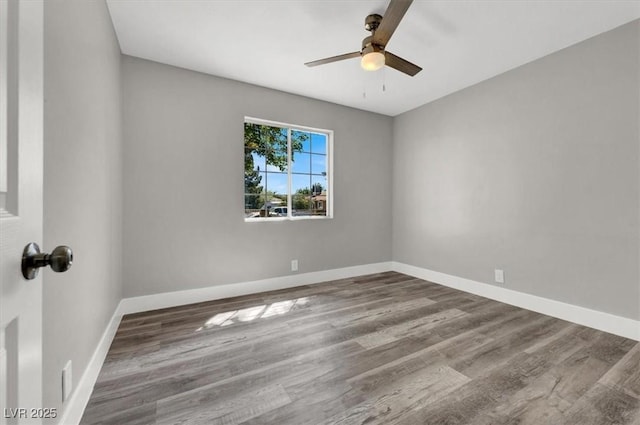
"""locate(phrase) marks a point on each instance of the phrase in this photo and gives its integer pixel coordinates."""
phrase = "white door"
(21, 168)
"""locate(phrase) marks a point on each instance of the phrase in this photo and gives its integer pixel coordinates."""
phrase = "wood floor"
(378, 349)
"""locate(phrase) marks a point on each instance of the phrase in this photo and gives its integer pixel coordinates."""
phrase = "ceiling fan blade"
(400, 64)
(390, 21)
(334, 59)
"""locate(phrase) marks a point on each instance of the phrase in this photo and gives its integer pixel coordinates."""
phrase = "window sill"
(265, 219)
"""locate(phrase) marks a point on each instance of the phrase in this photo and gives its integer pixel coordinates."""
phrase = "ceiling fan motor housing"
(372, 22)
(368, 46)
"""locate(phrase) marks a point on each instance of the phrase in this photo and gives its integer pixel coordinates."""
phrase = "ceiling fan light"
(372, 61)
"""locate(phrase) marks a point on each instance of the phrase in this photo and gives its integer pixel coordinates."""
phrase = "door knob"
(60, 260)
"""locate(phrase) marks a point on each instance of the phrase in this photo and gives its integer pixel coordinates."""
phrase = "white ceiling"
(264, 42)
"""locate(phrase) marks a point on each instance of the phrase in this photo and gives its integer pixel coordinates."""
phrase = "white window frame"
(290, 128)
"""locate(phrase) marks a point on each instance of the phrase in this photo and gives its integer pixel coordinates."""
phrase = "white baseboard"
(606, 322)
(190, 296)
(74, 407)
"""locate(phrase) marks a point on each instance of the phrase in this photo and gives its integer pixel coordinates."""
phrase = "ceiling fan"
(373, 54)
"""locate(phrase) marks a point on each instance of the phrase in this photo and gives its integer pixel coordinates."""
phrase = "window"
(287, 171)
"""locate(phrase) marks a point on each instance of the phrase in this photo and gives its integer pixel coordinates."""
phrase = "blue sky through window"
(304, 165)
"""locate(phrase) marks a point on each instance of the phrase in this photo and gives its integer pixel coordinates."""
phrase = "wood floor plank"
(408, 362)
(389, 402)
(603, 405)
(553, 392)
(511, 341)
(141, 414)
(404, 329)
(378, 349)
(379, 313)
(215, 408)
(625, 375)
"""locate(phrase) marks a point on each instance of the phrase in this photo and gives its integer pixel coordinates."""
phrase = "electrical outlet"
(67, 382)
(294, 265)
(499, 275)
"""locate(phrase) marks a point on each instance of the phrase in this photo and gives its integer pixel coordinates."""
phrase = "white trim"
(4, 116)
(190, 296)
(292, 218)
(289, 178)
(73, 409)
(330, 177)
(606, 322)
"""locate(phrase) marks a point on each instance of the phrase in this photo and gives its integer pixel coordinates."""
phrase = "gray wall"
(534, 172)
(82, 183)
(183, 165)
